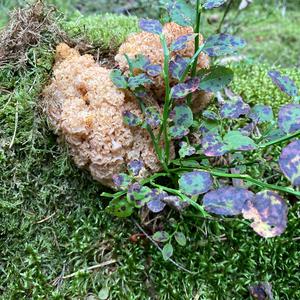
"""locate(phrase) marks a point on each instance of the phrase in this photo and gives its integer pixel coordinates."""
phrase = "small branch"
(158, 247)
(16, 125)
(89, 269)
(164, 127)
(224, 16)
(243, 177)
(46, 219)
(281, 140)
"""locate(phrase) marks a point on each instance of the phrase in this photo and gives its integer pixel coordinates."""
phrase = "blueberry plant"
(217, 152)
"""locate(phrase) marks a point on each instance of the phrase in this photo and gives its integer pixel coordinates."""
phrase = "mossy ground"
(53, 223)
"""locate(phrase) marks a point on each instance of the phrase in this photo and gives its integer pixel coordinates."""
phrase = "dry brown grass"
(26, 28)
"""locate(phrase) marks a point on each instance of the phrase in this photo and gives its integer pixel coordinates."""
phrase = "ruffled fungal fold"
(85, 109)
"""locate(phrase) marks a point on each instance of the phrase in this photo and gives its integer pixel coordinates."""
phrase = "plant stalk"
(281, 140)
(197, 41)
(166, 112)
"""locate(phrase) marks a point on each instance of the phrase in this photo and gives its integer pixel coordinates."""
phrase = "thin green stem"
(149, 129)
(182, 197)
(280, 140)
(243, 177)
(193, 60)
(166, 112)
(197, 41)
(224, 16)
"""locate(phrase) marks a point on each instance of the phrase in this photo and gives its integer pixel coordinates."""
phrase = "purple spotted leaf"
(131, 119)
(167, 251)
(139, 62)
(153, 70)
(181, 90)
(139, 80)
(186, 150)
(152, 26)
(181, 12)
(195, 183)
(122, 181)
(235, 108)
(234, 140)
(135, 166)
(210, 115)
(209, 4)
(215, 79)
(152, 116)
(223, 44)
(178, 66)
(261, 114)
(226, 201)
(261, 291)
(178, 132)
(156, 203)
(118, 79)
(275, 134)
(176, 203)
(284, 83)
(213, 145)
(120, 208)
(161, 236)
(180, 238)
(182, 115)
(268, 212)
(138, 195)
(289, 118)
(181, 42)
(289, 162)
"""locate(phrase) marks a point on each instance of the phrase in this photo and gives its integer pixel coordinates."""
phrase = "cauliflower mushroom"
(86, 111)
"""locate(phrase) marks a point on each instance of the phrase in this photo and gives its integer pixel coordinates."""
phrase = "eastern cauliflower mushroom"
(86, 111)
(149, 45)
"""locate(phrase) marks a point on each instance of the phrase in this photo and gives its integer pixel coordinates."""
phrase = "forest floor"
(53, 225)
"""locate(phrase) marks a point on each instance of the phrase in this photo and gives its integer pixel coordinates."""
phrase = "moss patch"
(105, 31)
(252, 82)
(53, 224)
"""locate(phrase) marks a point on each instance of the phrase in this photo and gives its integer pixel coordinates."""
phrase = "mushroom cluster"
(86, 109)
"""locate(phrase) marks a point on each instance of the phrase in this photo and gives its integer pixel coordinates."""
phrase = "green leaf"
(104, 293)
(120, 208)
(139, 80)
(167, 251)
(138, 195)
(195, 183)
(140, 62)
(161, 236)
(236, 141)
(223, 44)
(182, 13)
(182, 115)
(118, 79)
(122, 180)
(216, 79)
(180, 238)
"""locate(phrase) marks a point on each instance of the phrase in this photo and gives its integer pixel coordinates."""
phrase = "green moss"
(252, 82)
(104, 31)
(53, 222)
